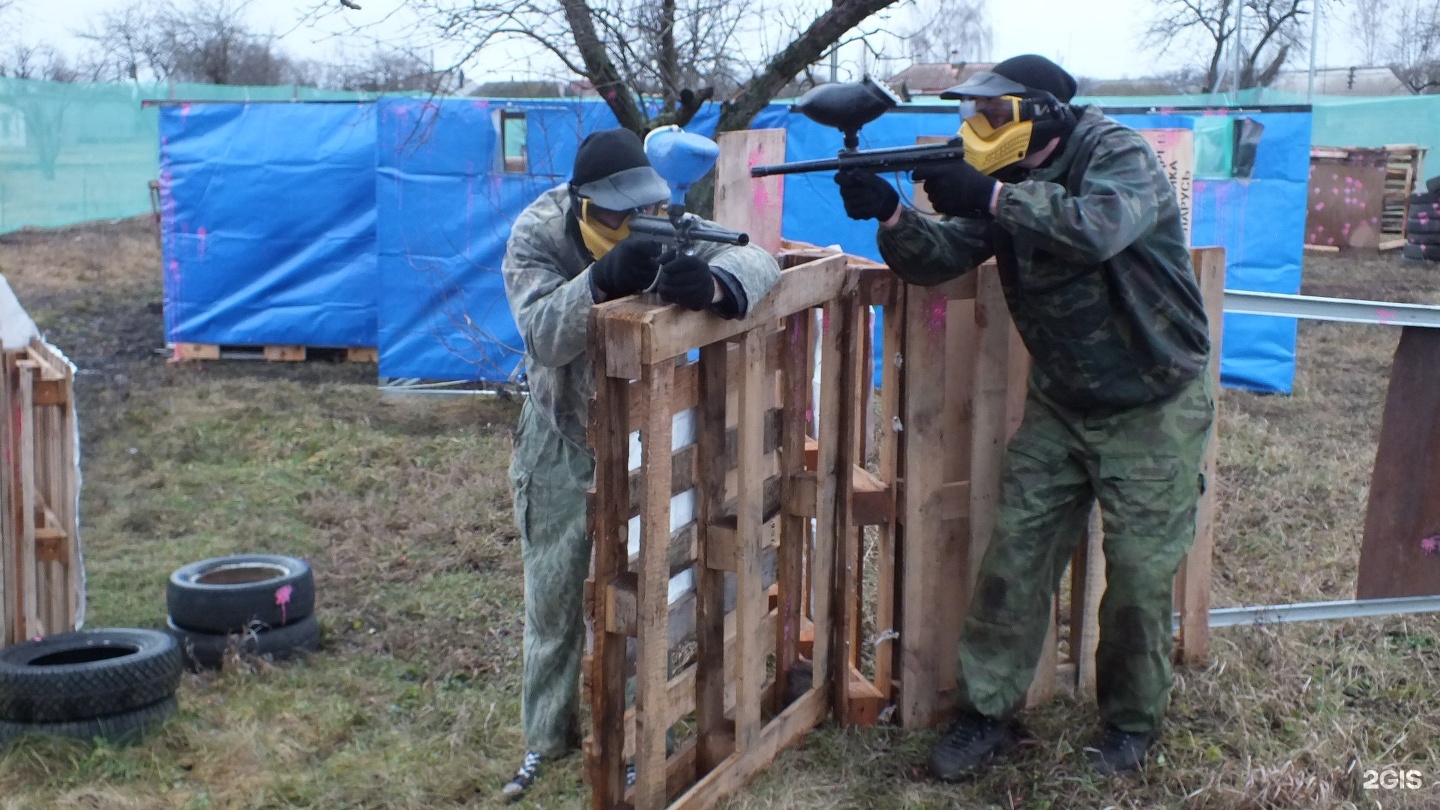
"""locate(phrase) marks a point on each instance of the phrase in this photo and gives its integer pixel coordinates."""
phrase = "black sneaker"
(1116, 751)
(971, 740)
(523, 778)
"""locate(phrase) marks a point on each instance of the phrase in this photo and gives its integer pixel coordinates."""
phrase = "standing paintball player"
(569, 250)
(1091, 253)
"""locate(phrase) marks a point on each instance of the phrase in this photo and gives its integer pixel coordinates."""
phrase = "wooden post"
(744, 203)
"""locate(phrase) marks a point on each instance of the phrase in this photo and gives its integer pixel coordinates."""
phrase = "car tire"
(125, 728)
(1414, 252)
(230, 594)
(87, 674)
(208, 650)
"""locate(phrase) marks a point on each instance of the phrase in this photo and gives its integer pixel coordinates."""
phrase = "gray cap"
(627, 189)
(985, 85)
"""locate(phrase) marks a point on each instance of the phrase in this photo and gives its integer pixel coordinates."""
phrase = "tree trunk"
(602, 72)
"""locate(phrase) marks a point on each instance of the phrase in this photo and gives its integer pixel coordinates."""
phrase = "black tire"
(1433, 185)
(1420, 238)
(1423, 211)
(207, 650)
(229, 594)
(87, 674)
(1424, 197)
(120, 729)
(1429, 225)
(1429, 253)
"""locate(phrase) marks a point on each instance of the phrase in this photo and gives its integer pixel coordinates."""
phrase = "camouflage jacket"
(547, 279)
(1093, 260)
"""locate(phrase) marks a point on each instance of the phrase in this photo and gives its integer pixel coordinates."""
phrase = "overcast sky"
(1099, 39)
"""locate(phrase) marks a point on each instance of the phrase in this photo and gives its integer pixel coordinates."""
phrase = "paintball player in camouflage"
(1091, 253)
(569, 250)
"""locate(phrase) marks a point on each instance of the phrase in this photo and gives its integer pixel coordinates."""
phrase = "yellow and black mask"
(599, 238)
(1011, 111)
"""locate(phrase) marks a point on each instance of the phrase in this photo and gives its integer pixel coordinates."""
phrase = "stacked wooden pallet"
(1402, 171)
(41, 575)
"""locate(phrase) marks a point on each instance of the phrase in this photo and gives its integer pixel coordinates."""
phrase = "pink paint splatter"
(1385, 315)
(1319, 206)
(200, 235)
(937, 314)
(282, 598)
(1431, 545)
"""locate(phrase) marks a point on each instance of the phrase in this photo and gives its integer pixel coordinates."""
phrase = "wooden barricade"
(728, 591)
(41, 580)
(719, 685)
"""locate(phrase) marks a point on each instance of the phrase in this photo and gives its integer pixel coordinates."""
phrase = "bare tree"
(203, 41)
(1273, 31)
(949, 31)
(1414, 52)
(1368, 21)
(652, 61)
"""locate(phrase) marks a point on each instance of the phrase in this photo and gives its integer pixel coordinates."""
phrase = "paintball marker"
(681, 158)
(848, 107)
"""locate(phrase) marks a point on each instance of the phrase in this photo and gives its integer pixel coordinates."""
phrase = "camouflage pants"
(550, 475)
(1144, 467)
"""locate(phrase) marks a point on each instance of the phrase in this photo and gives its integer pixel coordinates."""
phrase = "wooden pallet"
(773, 597)
(41, 577)
(183, 352)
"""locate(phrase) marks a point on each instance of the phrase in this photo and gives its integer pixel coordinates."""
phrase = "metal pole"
(1314, 48)
(1239, 29)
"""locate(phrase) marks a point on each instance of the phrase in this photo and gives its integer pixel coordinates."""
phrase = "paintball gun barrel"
(848, 107)
(687, 231)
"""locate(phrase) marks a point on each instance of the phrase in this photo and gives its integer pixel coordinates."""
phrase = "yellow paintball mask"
(599, 237)
(990, 148)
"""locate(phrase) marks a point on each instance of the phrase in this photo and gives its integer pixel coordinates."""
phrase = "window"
(513, 152)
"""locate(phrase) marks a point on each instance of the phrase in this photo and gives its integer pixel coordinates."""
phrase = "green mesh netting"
(76, 152)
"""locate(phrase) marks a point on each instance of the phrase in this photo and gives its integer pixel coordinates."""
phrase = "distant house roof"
(1351, 81)
(935, 77)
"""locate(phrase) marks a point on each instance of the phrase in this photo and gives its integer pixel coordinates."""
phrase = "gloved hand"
(628, 268)
(957, 189)
(687, 281)
(865, 195)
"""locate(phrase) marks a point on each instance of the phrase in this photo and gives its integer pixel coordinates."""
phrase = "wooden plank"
(194, 351)
(795, 376)
(1042, 686)
(1087, 586)
(827, 531)
(1346, 200)
(886, 562)
(1400, 551)
(750, 204)
(1193, 579)
(742, 766)
(29, 599)
(362, 354)
(929, 378)
(651, 660)
(607, 525)
(642, 333)
(715, 735)
(751, 603)
(285, 354)
(844, 605)
(9, 575)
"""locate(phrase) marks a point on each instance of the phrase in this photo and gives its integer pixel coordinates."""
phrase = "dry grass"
(403, 509)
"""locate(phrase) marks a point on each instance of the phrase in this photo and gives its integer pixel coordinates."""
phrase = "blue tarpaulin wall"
(441, 206)
(268, 223)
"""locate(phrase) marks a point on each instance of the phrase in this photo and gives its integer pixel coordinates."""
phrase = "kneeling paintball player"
(570, 249)
(1087, 236)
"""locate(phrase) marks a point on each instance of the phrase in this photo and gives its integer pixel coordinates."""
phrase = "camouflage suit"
(1092, 258)
(547, 280)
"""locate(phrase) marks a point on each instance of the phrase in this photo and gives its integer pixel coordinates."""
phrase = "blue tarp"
(268, 223)
(441, 206)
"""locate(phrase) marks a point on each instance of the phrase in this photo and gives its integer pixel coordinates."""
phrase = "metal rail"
(1320, 611)
(1331, 309)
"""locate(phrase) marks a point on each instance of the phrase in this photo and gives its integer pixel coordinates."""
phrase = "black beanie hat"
(611, 169)
(1038, 73)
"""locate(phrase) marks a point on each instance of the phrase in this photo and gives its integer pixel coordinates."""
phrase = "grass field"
(403, 508)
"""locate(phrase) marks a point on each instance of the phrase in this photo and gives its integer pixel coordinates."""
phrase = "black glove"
(865, 195)
(687, 281)
(957, 189)
(628, 268)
